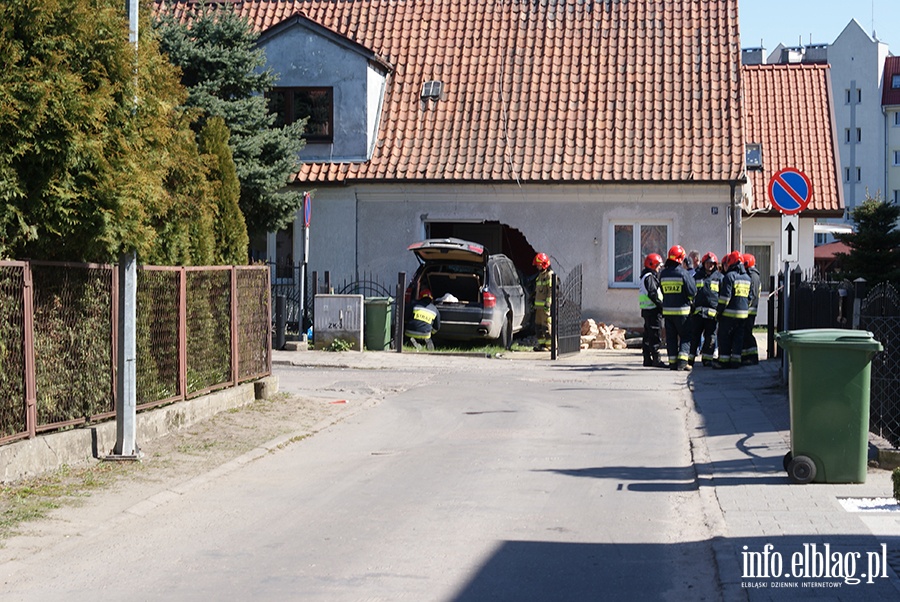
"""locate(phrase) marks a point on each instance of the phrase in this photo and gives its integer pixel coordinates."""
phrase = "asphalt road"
(458, 479)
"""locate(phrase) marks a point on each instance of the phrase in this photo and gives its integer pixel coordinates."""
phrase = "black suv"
(478, 294)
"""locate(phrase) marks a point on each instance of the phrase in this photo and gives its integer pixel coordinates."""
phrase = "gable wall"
(301, 57)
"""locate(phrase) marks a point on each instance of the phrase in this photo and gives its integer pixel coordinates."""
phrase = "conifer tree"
(223, 70)
(231, 240)
(90, 164)
(874, 244)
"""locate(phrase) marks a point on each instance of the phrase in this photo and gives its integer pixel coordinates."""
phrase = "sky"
(789, 21)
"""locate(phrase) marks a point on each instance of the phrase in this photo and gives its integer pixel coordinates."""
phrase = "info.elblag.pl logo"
(813, 562)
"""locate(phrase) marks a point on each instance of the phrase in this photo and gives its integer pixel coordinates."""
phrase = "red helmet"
(541, 261)
(677, 253)
(749, 260)
(710, 256)
(732, 259)
(425, 294)
(653, 261)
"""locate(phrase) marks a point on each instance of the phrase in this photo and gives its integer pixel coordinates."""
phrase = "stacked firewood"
(601, 336)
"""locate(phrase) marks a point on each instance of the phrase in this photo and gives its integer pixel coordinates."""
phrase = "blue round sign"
(790, 191)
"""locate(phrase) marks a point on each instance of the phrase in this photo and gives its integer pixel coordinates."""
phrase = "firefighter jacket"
(650, 296)
(755, 288)
(425, 320)
(678, 289)
(706, 303)
(734, 293)
(543, 290)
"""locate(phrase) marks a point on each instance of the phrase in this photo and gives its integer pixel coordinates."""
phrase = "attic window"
(432, 90)
(895, 81)
(753, 154)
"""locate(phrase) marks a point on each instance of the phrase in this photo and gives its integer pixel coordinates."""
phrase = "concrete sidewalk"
(743, 433)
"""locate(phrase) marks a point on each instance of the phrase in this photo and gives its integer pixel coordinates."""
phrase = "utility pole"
(126, 381)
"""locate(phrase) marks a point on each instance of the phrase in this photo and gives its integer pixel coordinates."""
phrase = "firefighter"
(543, 299)
(750, 353)
(678, 290)
(703, 319)
(425, 321)
(650, 299)
(734, 307)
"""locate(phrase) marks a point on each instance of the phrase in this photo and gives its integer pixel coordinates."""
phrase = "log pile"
(601, 336)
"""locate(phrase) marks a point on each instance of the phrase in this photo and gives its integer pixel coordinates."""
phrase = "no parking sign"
(790, 191)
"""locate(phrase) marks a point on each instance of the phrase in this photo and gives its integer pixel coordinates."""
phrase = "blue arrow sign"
(790, 191)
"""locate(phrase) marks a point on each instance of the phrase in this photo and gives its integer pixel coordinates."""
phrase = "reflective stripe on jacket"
(755, 288)
(650, 296)
(678, 289)
(425, 320)
(734, 294)
(543, 296)
(706, 303)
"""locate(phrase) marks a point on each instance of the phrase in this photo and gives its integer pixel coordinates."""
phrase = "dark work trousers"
(705, 329)
(749, 353)
(652, 340)
(678, 340)
(731, 341)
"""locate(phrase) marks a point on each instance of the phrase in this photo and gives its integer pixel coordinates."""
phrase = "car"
(478, 294)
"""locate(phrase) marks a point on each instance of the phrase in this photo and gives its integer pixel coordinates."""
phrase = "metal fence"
(567, 314)
(300, 288)
(879, 313)
(844, 304)
(198, 329)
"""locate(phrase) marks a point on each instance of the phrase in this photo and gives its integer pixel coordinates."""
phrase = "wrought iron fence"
(567, 314)
(879, 313)
(198, 329)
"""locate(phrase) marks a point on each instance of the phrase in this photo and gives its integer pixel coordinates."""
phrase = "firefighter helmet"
(653, 261)
(732, 259)
(710, 256)
(749, 260)
(541, 261)
(676, 253)
(425, 294)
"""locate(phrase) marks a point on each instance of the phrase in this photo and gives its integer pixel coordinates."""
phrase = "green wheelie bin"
(828, 387)
(377, 335)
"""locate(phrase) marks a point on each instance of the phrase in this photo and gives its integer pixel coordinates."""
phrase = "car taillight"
(489, 299)
(407, 297)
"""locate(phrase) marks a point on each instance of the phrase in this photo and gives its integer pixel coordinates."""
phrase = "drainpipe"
(735, 213)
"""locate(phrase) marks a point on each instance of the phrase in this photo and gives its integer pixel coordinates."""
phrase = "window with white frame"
(896, 196)
(896, 155)
(846, 174)
(631, 241)
(859, 174)
(897, 119)
(763, 254)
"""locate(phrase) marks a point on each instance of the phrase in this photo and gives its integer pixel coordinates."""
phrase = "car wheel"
(506, 333)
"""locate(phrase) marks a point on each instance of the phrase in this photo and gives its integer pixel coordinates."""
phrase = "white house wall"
(366, 229)
(765, 230)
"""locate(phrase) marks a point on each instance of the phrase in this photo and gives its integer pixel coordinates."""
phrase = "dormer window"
(895, 81)
(431, 90)
(753, 154)
(314, 104)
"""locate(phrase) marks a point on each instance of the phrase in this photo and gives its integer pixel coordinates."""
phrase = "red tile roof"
(889, 95)
(787, 108)
(551, 91)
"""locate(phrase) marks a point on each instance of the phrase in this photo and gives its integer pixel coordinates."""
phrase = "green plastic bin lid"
(379, 300)
(857, 339)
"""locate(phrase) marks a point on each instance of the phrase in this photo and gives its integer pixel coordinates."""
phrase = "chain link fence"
(198, 329)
